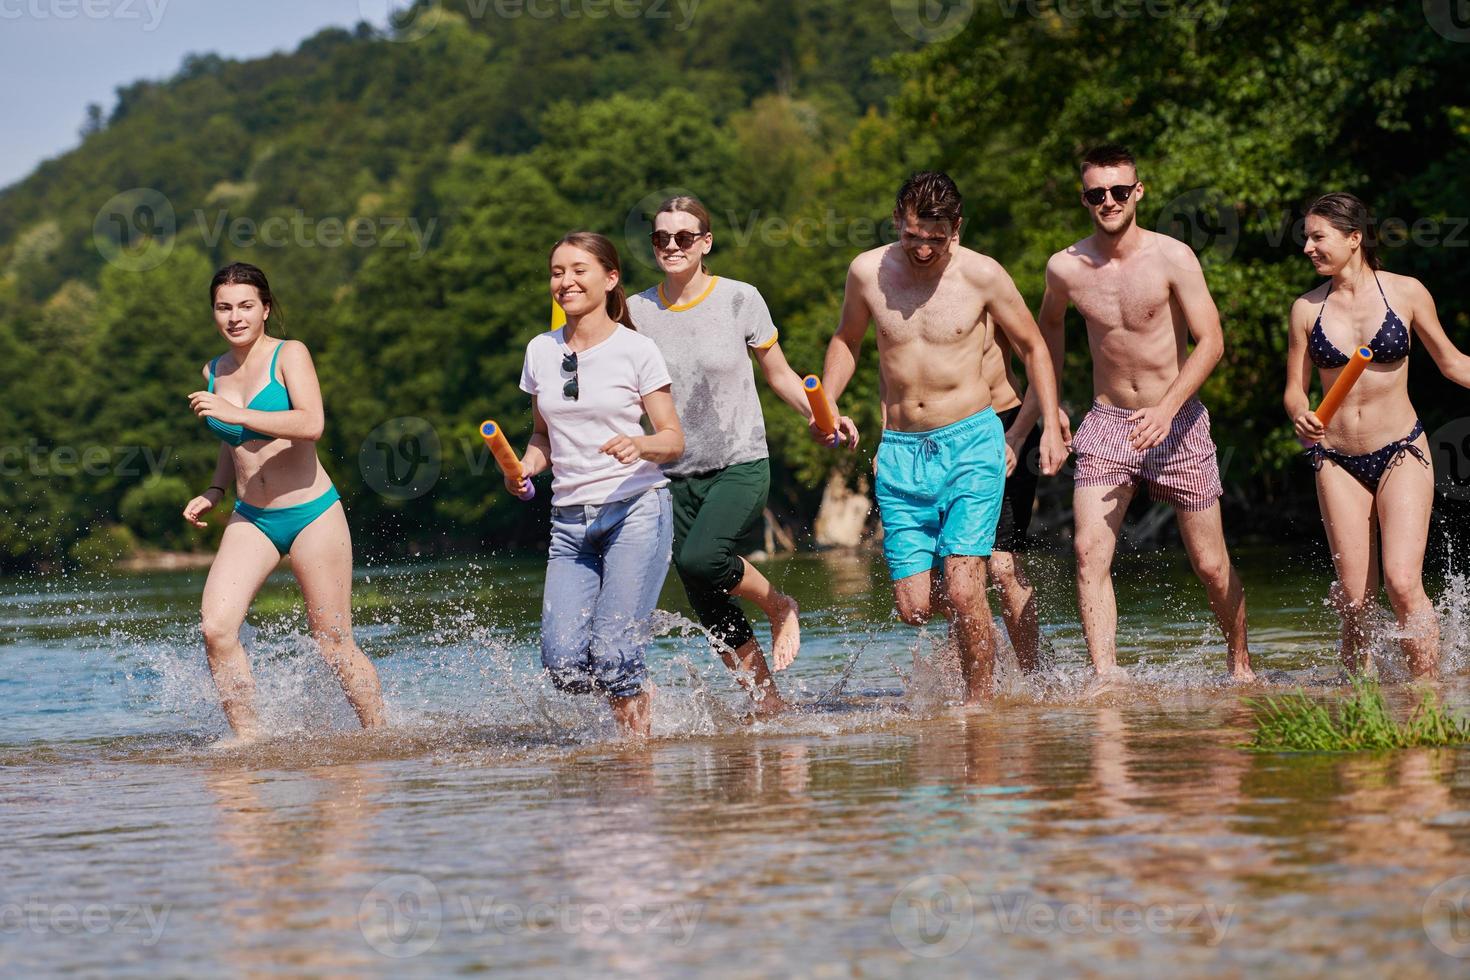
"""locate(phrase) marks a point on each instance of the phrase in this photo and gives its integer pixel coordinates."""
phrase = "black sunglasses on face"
(1120, 192)
(684, 239)
(569, 364)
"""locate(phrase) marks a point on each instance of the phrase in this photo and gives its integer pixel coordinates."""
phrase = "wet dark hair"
(1347, 214)
(1109, 155)
(245, 274)
(931, 196)
(606, 254)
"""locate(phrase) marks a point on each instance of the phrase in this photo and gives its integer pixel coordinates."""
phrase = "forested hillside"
(402, 191)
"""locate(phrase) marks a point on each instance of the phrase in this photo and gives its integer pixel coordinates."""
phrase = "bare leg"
(964, 585)
(321, 558)
(916, 598)
(749, 665)
(1404, 501)
(245, 559)
(634, 715)
(1098, 513)
(779, 608)
(1347, 517)
(1204, 540)
(1018, 608)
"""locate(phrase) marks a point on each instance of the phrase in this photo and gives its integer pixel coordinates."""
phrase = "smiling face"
(579, 283)
(239, 313)
(1327, 247)
(672, 258)
(925, 243)
(1111, 216)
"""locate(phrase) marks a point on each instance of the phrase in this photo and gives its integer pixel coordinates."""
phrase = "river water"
(881, 831)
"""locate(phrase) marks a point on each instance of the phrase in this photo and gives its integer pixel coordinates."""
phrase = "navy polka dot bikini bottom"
(1369, 467)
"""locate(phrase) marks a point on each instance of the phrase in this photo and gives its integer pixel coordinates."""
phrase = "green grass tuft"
(1361, 722)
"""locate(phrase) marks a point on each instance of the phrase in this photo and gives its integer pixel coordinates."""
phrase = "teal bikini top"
(272, 398)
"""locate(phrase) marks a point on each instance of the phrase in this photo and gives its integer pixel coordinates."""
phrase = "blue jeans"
(607, 565)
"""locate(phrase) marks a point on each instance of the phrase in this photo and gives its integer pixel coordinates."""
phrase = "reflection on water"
(881, 833)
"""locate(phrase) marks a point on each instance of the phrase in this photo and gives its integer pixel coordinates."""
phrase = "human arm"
(1202, 317)
(224, 475)
(789, 388)
(304, 419)
(1008, 310)
(847, 342)
(665, 445)
(1453, 363)
(1052, 323)
(1297, 400)
(537, 457)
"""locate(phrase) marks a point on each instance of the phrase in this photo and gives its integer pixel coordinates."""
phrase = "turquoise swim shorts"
(940, 492)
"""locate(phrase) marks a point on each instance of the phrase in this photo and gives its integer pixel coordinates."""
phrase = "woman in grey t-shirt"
(708, 327)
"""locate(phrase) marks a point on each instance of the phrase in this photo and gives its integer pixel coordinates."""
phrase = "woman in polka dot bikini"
(1373, 479)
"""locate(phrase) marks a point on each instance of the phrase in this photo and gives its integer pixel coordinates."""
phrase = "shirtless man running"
(941, 464)
(1143, 296)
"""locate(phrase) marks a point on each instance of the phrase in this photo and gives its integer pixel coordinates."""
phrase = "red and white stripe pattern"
(1182, 470)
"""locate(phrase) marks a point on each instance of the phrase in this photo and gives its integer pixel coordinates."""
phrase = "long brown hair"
(688, 204)
(606, 254)
(1347, 214)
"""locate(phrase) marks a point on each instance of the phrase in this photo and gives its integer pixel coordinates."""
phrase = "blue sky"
(60, 55)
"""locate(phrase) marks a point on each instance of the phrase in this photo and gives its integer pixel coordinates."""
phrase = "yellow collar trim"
(692, 303)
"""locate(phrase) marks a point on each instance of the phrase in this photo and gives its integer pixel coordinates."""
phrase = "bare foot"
(236, 740)
(1104, 681)
(770, 704)
(634, 715)
(785, 634)
(1241, 675)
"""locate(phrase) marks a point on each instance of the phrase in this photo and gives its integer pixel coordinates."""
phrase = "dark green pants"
(715, 516)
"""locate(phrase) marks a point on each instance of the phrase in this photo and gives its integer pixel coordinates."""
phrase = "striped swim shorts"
(1181, 470)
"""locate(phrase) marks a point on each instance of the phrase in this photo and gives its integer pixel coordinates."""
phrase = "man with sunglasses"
(941, 466)
(1143, 296)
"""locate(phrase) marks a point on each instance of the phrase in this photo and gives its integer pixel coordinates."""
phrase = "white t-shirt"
(612, 379)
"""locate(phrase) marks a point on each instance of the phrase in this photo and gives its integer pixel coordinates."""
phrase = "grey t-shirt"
(707, 346)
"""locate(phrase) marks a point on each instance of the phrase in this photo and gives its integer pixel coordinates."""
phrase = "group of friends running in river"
(956, 469)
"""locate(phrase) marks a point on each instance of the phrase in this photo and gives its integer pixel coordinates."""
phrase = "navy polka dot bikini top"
(1389, 344)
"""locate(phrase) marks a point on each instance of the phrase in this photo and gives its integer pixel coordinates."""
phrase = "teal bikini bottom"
(283, 524)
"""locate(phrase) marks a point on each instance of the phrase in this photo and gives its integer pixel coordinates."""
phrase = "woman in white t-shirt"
(590, 383)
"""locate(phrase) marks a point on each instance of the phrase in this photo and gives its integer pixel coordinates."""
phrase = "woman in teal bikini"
(285, 502)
